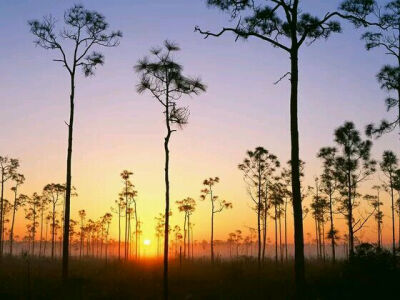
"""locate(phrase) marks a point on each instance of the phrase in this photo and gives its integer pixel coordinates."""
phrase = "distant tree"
(54, 192)
(72, 232)
(286, 194)
(160, 225)
(82, 216)
(31, 214)
(19, 201)
(118, 209)
(8, 168)
(217, 205)
(48, 221)
(159, 228)
(374, 201)
(258, 168)
(7, 209)
(329, 183)
(137, 229)
(387, 37)
(107, 221)
(235, 238)
(86, 30)
(128, 194)
(353, 165)
(286, 26)
(277, 201)
(43, 206)
(319, 208)
(163, 78)
(90, 226)
(188, 206)
(178, 237)
(231, 241)
(389, 166)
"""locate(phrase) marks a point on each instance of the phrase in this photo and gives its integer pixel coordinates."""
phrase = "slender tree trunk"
(316, 236)
(192, 243)
(212, 232)
(332, 227)
(126, 221)
(320, 239)
(259, 216)
(399, 214)
(45, 242)
(41, 231)
(323, 239)
(379, 226)
(13, 222)
(136, 233)
(67, 204)
(188, 221)
(108, 229)
(264, 230)
(259, 233)
(265, 216)
(393, 228)
(295, 161)
(53, 231)
(129, 235)
(1, 213)
(81, 240)
(33, 230)
(280, 236)
(276, 235)
(350, 217)
(119, 231)
(184, 236)
(286, 246)
(166, 175)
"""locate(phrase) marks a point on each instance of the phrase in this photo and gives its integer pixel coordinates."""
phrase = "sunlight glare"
(146, 242)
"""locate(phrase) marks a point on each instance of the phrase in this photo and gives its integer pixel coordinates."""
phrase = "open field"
(27, 278)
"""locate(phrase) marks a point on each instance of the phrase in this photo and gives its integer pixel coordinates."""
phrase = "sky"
(117, 129)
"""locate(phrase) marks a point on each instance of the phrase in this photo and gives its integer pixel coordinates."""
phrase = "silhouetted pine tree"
(217, 206)
(86, 30)
(258, 169)
(163, 78)
(353, 165)
(389, 167)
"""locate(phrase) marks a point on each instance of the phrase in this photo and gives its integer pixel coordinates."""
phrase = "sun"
(146, 242)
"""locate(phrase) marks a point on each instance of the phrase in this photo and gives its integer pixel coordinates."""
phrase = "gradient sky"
(118, 129)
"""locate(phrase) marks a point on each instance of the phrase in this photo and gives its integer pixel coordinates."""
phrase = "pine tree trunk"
(119, 231)
(393, 228)
(166, 228)
(295, 161)
(350, 217)
(53, 231)
(184, 237)
(286, 246)
(12, 224)
(332, 227)
(67, 204)
(276, 235)
(1, 213)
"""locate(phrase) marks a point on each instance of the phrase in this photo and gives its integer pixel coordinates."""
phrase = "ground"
(39, 278)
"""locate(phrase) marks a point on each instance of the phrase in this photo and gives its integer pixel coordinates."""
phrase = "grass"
(35, 278)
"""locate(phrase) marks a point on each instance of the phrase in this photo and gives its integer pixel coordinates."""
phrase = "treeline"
(44, 218)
